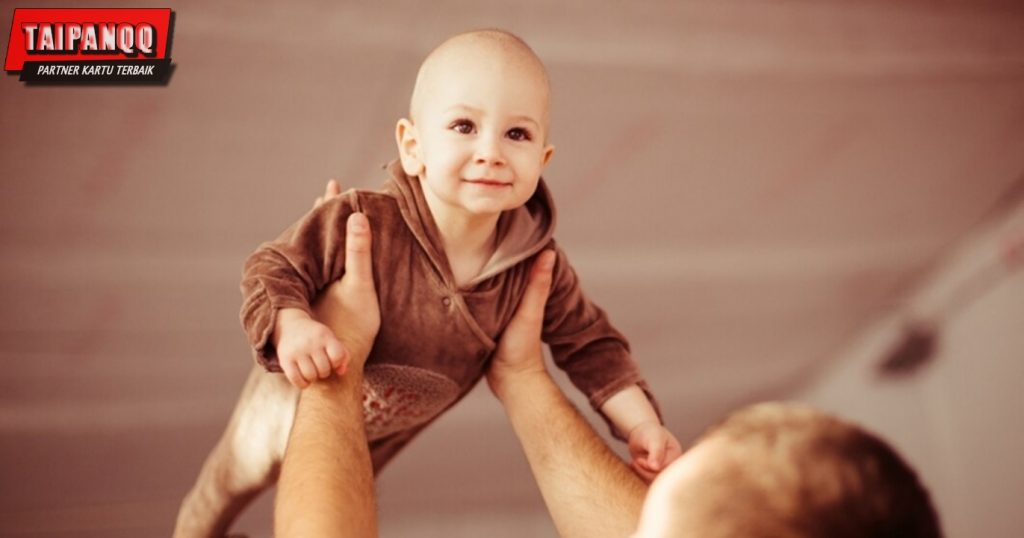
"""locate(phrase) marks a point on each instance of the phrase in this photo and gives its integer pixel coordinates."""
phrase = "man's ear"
(548, 152)
(408, 147)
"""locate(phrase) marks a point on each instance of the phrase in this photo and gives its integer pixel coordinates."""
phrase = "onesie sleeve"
(289, 271)
(584, 343)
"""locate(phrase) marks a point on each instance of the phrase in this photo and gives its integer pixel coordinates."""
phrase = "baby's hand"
(307, 350)
(652, 447)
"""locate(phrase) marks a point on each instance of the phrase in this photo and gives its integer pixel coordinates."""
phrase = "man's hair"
(787, 470)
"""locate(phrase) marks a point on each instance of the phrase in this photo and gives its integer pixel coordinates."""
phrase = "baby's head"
(478, 121)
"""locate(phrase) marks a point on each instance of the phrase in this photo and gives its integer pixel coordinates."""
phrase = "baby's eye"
(462, 126)
(519, 134)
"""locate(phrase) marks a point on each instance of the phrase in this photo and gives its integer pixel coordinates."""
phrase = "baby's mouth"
(488, 182)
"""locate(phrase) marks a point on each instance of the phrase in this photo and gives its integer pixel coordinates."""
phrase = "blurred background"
(820, 201)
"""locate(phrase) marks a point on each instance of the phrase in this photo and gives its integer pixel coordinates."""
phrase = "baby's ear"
(548, 152)
(408, 147)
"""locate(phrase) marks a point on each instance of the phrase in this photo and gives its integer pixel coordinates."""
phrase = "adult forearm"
(326, 484)
(589, 491)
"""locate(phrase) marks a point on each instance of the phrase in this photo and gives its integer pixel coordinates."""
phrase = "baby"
(456, 230)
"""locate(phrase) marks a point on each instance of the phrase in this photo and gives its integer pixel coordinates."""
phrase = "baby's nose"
(488, 152)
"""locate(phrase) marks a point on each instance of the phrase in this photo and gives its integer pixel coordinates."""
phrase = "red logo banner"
(90, 45)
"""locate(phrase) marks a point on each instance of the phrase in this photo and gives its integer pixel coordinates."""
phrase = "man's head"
(478, 124)
(788, 471)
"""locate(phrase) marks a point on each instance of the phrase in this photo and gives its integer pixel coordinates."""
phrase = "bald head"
(479, 53)
(480, 97)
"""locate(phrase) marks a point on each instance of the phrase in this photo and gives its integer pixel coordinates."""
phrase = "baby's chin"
(487, 210)
(485, 207)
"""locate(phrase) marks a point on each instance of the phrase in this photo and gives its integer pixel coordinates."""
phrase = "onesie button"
(446, 301)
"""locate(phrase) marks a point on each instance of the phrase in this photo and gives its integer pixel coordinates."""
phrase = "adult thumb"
(531, 306)
(358, 262)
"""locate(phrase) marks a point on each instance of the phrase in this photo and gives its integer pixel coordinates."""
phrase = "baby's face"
(481, 132)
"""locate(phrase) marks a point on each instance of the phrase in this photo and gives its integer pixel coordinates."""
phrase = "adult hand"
(568, 459)
(333, 189)
(349, 306)
(326, 486)
(519, 350)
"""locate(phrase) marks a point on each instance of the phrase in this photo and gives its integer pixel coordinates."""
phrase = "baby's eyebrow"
(527, 119)
(477, 111)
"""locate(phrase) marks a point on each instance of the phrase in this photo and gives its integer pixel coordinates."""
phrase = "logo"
(91, 46)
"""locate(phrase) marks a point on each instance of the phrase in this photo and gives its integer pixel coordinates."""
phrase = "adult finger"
(333, 189)
(358, 263)
(531, 307)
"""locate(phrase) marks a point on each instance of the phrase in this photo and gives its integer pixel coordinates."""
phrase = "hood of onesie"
(522, 232)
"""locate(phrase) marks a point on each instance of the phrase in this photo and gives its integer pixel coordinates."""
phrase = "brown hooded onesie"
(435, 339)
